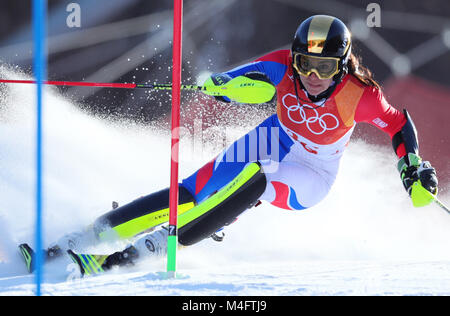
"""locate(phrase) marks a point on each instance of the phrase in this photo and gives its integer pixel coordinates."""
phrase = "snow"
(365, 238)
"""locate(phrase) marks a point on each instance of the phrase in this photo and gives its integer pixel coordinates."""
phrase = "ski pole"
(440, 204)
(155, 86)
(240, 89)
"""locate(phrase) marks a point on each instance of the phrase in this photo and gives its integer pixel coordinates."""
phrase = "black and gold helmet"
(323, 36)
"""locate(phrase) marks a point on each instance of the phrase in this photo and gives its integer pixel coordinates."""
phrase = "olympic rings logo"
(316, 124)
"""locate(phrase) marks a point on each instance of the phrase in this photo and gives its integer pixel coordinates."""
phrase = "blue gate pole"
(40, 72)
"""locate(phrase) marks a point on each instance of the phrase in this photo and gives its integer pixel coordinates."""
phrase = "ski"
(28, 255)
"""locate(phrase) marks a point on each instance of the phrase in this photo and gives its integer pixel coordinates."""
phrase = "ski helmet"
(323, 36)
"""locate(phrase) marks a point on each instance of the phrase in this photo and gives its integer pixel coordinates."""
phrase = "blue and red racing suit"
(300, 146)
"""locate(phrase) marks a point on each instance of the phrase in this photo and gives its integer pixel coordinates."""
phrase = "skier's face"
(314, 85)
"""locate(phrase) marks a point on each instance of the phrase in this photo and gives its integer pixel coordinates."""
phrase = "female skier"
(290, 160)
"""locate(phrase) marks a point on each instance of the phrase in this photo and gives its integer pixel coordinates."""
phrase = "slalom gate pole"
(172, 241)
(39, 66)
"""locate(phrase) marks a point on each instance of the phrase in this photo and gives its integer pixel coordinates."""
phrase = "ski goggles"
(323, 67)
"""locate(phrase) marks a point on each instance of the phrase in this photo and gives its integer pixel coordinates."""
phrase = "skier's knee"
(224, 207)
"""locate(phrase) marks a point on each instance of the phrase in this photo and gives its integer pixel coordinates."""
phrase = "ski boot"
(96, 264)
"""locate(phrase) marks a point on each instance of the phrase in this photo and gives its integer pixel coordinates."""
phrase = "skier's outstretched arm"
(376, 111)
(268, 68)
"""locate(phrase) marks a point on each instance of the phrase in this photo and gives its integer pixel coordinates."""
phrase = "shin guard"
(140, 215)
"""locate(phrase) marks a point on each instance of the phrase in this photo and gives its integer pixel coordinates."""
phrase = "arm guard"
(252, 87)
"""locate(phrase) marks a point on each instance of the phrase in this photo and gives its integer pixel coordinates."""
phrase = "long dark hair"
(361, 72)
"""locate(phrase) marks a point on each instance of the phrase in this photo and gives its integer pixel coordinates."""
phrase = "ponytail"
(359, 71)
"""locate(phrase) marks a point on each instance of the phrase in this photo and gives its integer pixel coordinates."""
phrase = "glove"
(417, 176)
(218, 80)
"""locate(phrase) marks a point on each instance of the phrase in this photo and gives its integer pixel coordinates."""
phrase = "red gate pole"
(172, 241)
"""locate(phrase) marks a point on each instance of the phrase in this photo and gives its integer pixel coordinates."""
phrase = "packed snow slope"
(365, 238)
